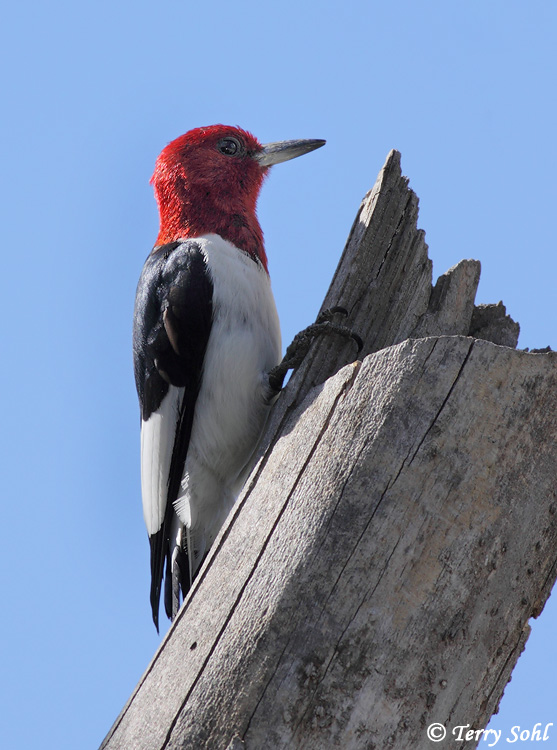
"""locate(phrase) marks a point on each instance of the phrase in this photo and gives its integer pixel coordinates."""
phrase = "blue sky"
(91, 94)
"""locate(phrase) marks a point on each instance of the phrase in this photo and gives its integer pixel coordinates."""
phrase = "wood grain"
(398, 530)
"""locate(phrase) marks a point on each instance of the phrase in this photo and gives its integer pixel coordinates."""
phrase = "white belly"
(232, 405)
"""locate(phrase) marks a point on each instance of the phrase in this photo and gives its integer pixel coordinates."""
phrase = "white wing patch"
(157, 443)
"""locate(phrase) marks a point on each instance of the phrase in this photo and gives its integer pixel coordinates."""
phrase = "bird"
(206, 344)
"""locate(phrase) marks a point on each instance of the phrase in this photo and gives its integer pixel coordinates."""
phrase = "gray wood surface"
(398, 531)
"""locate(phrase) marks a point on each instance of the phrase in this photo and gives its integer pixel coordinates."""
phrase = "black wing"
(172, 324)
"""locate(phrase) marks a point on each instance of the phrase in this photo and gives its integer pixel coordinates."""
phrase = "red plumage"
(200, 190)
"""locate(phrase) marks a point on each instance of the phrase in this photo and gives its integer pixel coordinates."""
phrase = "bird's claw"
(326, 316)
(298, 349)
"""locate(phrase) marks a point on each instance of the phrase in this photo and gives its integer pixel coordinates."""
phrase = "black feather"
(172, 324)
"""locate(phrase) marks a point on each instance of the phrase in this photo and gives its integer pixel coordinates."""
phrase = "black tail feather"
(177, 581)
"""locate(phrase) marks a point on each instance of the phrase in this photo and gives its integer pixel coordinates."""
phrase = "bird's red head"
(208, 181)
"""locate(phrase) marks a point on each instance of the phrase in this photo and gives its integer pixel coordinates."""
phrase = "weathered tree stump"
(398, 531)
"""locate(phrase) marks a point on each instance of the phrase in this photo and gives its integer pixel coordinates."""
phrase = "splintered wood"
(396, 534)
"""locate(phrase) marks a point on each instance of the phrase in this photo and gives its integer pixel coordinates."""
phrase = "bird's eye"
(229, 146)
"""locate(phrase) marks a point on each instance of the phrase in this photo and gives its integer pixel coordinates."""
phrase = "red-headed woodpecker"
(206, 339)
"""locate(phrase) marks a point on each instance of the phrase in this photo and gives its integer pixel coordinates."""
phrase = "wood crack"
(445, 400)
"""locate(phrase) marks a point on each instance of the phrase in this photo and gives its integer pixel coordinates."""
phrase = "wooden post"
(398, 531)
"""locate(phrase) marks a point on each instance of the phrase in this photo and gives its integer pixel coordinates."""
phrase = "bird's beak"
(274, 153)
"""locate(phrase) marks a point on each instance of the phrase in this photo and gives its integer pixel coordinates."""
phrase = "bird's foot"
(298, 349)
